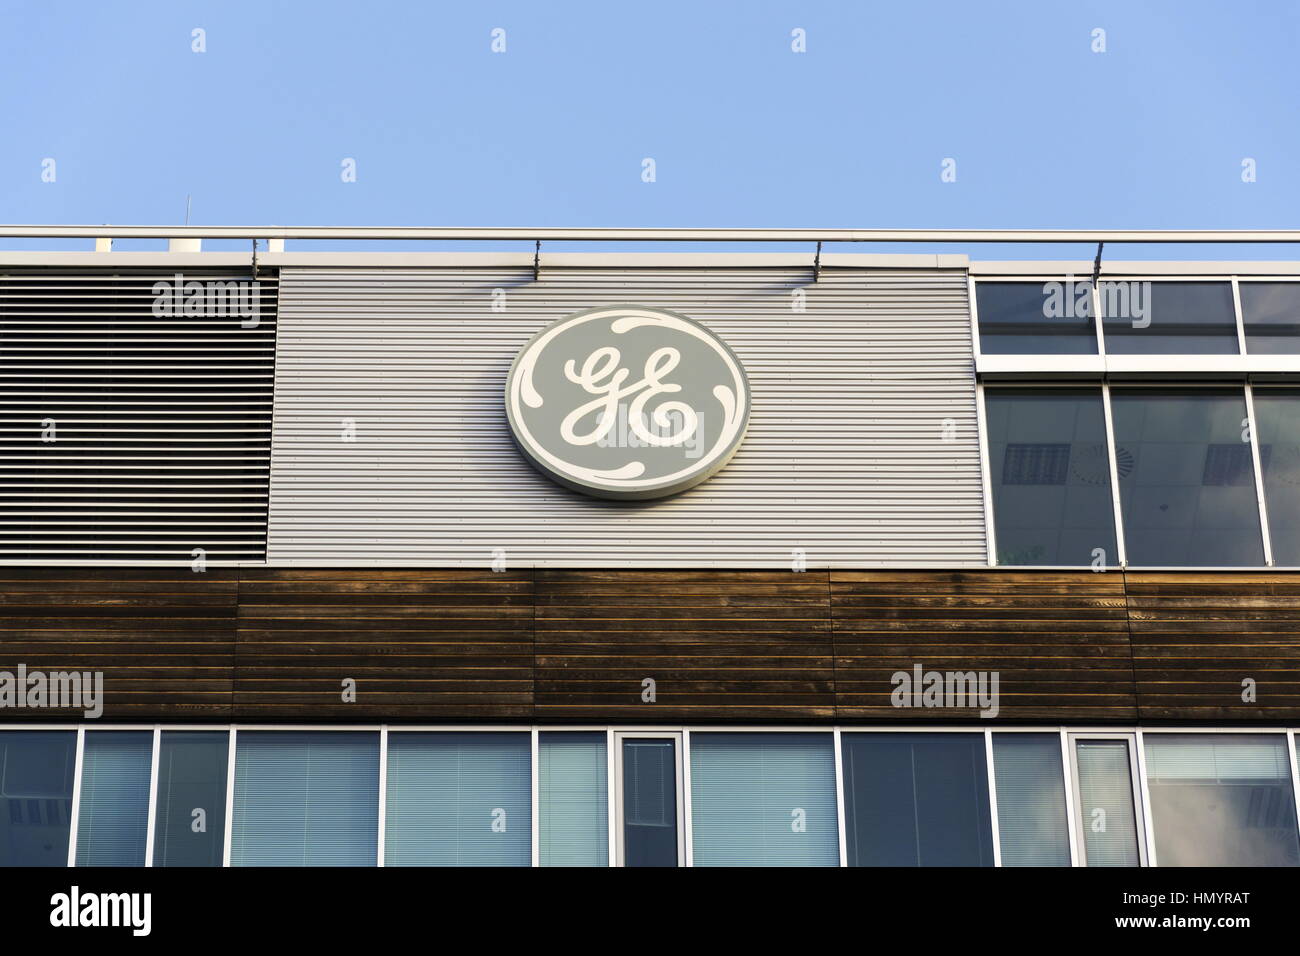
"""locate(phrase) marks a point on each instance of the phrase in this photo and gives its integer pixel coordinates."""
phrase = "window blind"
(1106, 803)
(305, 799)
(113, 819)
(458, 799)
(763, 800)
(573, 792)
(36, 769)
(190, 817)
(1030, 781)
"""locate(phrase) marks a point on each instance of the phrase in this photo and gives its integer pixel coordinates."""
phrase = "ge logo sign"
(627, 402)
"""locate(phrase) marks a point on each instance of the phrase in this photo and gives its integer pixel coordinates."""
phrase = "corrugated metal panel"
(845, 458)
(133, 430)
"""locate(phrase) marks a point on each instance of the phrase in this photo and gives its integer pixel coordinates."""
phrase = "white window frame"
(677, 736)
(1137, 785)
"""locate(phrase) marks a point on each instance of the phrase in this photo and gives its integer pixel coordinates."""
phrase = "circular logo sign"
(627, 402)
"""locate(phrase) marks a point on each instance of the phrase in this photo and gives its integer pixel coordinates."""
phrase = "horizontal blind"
(1216, 757)
(135, 425)
(763, 800)
(458, 799)
(113, 818)
(573, 792)
(305, 799)
(1106, 812)
(1030, 781)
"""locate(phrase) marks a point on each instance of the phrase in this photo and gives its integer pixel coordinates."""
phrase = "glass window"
(1018, 318)
(1187, 480)
(305, 799)
(573, 793)
(1050, 472)
(113, 818)
(459, 799)
(650, 801)
(1277, 417)
(1270, 312)
(1168, 318)
(190, 816)
(763, 800)
(1106, 816)
(916, 800)
(36, 768)
(1221, 800)
(1030, 781)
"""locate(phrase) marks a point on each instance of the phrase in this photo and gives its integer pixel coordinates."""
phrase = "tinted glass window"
(1187, 480)
(1277, 416)
(1107, 819)
(573, 798)
(1168, 318)
(1028, 317)
(649, 802)
(1221, 800)
(1270, 312)
(190, 817)
(1050, 473)
(1030, 779)
(36, 769)
(916, 800)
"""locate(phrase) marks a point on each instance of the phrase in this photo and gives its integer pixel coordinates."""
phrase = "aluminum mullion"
(1121, 549)
(1261, 499)
(151, 825)
(993, 798)
(76, 796)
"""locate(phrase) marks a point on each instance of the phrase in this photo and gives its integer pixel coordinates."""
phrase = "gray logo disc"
(626, 401)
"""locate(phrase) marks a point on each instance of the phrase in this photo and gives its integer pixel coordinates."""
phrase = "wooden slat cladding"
(164, 638)
(560, 646)
(419, 644)
(1197, 637)
(743, 645)
(1058, 642)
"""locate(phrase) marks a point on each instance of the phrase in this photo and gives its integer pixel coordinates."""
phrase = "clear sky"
(743, 131)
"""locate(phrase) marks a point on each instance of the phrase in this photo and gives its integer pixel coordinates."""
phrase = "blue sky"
(743, 131)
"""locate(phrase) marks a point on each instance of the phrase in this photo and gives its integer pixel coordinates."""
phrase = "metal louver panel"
(391, 445)
(134, 425)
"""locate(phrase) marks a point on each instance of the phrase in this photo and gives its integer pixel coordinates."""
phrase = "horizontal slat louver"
(134, 425)
(391, 446)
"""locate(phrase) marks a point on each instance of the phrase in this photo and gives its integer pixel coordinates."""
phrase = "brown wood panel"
(1058, 641)
(164, 638)
(421, 644)
(720, 646)
(1197, 636)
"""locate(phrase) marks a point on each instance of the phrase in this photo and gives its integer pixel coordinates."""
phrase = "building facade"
(1003, 572)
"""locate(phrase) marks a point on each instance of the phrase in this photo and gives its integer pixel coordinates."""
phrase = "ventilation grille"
(135, 423)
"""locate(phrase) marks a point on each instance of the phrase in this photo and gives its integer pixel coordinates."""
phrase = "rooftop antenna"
(187, 209)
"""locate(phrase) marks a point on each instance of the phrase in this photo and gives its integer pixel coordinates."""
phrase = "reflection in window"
(573, 798)
(1036, 317)
(649, 802)
(1050, 473)
(308, 798)
(190, 818)
(1270, 312)
(1277, 416)
(763, 800)
(1168, 318)
(1189, 497)
(1221, 800)
(1030, 781)
(36, 769)
(1106, 816)
(458, 799)
(916, 800)
(113, 817)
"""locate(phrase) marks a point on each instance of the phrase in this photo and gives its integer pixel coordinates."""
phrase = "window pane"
(1027, 317)
(36, 768)
(1168, 318)
(1187, 481)
(113, 819)
(1030, 781)
(459, 799)
(1221, 800)
(1271, 314)
(1106, 817)
(649, 802)
(305, 799)
(763, 800)
(190, 817)
(1050, 472)
(916, 800)
(574, 794)
(1277, 416)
